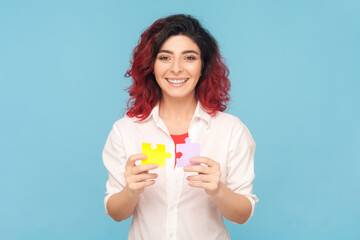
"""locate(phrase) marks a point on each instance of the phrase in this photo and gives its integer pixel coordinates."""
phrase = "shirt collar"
(202, 114)
(199, 113)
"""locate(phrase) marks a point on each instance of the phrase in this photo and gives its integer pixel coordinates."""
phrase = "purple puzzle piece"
(188, 150)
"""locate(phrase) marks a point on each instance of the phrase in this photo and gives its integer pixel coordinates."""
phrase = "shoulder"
(129, 125)
(125, 122)
(227, 120)
(232, 125)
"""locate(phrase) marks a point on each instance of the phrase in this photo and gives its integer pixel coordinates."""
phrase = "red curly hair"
(213, 87)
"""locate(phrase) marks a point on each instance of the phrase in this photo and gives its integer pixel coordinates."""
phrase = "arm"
(121, 205)
(235, 199)
(126, 179)
(235, 207)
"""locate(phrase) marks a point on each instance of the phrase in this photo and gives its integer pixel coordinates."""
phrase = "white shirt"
(171, 209)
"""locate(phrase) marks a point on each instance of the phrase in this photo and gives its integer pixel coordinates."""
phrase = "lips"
(176, 80)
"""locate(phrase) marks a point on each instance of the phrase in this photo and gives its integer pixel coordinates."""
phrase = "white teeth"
(177, 81)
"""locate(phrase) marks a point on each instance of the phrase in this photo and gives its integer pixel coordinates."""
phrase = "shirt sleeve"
(240, 164)
(114, 158)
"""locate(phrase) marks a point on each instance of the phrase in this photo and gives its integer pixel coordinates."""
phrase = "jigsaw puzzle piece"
(156, 155)
(188, 150)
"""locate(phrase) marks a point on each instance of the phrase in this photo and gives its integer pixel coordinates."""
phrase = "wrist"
(131, 193)
(220, 193)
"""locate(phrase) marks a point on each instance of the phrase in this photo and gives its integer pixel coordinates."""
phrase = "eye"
(163, 58)
(190, 58)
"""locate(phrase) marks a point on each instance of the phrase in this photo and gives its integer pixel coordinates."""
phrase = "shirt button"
(171, 235)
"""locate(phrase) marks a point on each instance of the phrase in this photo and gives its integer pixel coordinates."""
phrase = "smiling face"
(177, 67)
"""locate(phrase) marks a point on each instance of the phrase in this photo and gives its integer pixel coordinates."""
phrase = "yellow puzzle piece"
(157, 155)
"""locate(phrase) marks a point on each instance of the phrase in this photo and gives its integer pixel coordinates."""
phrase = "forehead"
(179, 43)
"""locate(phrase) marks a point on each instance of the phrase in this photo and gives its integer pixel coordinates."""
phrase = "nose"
(176, 66)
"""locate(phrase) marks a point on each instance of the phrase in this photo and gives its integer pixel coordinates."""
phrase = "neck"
(177, 110)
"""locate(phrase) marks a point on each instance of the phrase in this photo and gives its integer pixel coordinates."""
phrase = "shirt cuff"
(252, 201)
(105, 202)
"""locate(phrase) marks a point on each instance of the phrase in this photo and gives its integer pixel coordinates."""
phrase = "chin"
(180, 96)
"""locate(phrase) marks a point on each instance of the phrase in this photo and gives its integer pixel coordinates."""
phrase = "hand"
(137, 176)
(208, 176)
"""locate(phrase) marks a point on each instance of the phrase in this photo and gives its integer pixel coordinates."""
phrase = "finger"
(210, 188)
(198, 184)
(203, 178)
(144, 177)
(209, 162)
(139, 187)
(133, 158)
(199, 169)
(143, 168)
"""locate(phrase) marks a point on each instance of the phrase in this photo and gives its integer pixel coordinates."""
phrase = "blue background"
(295, 72)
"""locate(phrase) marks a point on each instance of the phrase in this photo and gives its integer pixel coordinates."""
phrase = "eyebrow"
(184, 52)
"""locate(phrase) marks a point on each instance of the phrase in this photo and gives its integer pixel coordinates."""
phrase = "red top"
(179, 139)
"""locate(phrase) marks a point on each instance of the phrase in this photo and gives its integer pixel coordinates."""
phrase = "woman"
(179, 90)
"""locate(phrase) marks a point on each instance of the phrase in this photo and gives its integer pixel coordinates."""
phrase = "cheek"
(158, 73)
(159, 70)
(196, 69)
